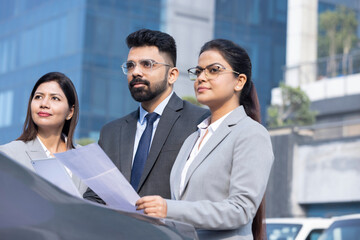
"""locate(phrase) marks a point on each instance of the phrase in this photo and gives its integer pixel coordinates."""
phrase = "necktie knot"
(151, 118)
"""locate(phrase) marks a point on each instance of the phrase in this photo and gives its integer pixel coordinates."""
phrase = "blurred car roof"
(306, 226)
(311, 220)
(33, 208)
(346, 217)
(346, 227)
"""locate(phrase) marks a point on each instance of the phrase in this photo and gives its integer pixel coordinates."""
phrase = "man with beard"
(162, 117)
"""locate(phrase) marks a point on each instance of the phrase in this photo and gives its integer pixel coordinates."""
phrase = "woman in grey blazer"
(52, 115)
(221, 172)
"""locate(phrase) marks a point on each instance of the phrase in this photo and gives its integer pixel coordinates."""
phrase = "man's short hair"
(146, 37)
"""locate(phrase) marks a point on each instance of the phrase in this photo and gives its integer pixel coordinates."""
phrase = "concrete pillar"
(191, 23)
(301, 47)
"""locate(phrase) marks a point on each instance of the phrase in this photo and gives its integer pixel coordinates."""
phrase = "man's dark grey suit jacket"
(179, 119)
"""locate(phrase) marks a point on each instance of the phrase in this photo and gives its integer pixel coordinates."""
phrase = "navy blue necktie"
(142, 151)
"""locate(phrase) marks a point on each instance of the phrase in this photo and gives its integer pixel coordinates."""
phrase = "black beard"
(144, 94)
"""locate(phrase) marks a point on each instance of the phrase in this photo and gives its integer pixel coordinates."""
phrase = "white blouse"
(49, 155)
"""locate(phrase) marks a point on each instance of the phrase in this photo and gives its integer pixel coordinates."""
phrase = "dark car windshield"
(343, 230)
(282, 231)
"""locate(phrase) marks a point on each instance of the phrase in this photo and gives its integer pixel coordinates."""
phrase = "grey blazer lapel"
(167, 120)
(126, 148)
(180, 162)
(209, 146)
(219, 135)
(34, 150)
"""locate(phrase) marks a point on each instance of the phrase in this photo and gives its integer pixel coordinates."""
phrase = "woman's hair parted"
(240, 62)
(30, 129)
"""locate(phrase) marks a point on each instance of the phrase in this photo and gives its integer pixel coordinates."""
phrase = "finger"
(145, 199)
(152, 212)
(140, 201)
(157, 212)
(151, 204)
(139, 207)
(145, 205)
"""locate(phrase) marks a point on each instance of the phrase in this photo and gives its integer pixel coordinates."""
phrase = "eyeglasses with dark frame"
(146, 65)
(211, 71)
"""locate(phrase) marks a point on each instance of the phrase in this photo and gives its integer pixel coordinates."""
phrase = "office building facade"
(260, 27)
(85, 39)
(317, 167)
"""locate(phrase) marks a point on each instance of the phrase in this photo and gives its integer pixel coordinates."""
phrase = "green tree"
(328, 23)
(294, 110)
(337, 35)
(84, 141)
(347, 33)
(192, 100)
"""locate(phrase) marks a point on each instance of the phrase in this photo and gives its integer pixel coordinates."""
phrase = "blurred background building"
(317, 166)
(85, 39)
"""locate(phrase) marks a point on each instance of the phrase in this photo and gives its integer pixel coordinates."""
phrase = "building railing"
(323, 131)
(332, 130)
(324, 68)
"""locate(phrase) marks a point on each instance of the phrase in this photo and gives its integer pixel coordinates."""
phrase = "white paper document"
(54, 171)
(98, 172)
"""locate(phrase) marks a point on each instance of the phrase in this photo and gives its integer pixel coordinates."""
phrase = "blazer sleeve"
(252, 159)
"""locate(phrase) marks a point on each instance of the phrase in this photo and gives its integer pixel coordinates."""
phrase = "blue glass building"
(260, 27)
(85, 39)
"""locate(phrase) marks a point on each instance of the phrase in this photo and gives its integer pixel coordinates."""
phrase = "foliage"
(347, 32)
(192, 100)
(294, 110)
(84, 141)
(337, 32)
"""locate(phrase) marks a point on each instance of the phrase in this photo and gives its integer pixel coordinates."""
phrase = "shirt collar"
(159, 109)
(213, 126)
(47, 152)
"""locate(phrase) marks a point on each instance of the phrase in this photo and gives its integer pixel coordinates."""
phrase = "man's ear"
(241, 80)
(173, 75)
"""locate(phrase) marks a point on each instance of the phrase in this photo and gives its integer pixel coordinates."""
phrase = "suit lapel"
(126, 148)
(181, 160)
(34, 150)
(167, 120)
(218, 136)
(209, 146)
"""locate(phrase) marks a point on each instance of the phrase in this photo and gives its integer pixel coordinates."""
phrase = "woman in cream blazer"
(50, 123)
(221, 172)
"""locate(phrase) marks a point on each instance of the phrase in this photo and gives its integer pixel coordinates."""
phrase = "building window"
(7, 55)
(6, 107)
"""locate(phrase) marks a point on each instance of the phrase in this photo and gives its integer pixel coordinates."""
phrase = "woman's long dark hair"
(240, 62)
(30, 129)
